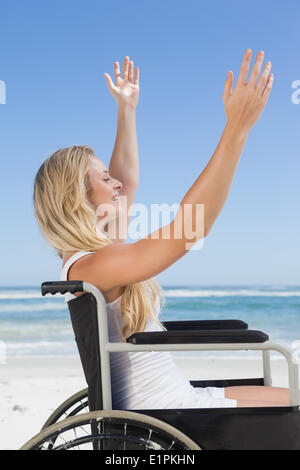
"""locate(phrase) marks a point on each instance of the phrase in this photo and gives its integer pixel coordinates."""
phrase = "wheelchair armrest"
(52, 287)
(198, 336)
(205, 325)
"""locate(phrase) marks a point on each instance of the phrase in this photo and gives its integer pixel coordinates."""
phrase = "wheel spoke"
(111, 430)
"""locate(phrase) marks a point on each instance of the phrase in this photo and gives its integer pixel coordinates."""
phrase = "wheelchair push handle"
(53, 287)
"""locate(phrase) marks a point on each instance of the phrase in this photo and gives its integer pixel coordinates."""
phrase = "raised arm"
(124, 162)
(243, 107)
(120, 264)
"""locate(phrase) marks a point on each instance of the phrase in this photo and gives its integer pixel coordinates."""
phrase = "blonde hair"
(68, 221)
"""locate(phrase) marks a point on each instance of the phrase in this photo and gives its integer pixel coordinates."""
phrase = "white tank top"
(146, 379)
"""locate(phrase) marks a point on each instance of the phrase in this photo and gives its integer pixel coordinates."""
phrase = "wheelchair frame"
(219, 428)
(106, 347)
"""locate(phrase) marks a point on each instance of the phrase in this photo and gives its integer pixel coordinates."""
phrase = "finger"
(256, 69)
(109, 81)
(228, 85)
(130, 75)
(117, 71)
(268, 88)
(242, 79)
(263, 78)
(136, 76)
(125, 68)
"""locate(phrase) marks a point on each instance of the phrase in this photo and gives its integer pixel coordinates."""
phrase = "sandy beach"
(31, 388)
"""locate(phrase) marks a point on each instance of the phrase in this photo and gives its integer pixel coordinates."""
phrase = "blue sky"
(53, 57)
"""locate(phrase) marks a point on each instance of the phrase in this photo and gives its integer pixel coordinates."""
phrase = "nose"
(118, 185)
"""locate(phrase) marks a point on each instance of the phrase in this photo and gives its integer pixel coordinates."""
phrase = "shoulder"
(98, 268)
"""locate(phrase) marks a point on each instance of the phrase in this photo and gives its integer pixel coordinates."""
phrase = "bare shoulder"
(119, 264)
(96, 268)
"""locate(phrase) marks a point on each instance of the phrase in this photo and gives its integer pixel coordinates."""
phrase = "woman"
(79, 210)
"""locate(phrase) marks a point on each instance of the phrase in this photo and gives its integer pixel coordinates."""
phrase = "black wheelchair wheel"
(77, 403)
(111, 430)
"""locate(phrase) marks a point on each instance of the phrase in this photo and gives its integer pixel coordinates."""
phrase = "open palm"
(125, 91)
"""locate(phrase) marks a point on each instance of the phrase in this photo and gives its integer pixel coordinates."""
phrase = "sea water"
(31, 324)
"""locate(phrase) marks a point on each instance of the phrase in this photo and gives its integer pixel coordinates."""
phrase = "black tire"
(111, 430)
(72, 406)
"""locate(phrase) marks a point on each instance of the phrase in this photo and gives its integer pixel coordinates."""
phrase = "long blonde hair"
(68, 221)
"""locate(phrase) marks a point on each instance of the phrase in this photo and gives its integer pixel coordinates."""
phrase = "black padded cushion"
(198, 336)
(205, 325)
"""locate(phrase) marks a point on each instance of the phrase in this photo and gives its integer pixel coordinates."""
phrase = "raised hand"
(126, 90)
(245, 104)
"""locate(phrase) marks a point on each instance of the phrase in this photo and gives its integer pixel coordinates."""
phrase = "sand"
(31, 388)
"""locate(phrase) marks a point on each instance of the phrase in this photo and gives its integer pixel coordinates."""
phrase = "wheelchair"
(86, 421)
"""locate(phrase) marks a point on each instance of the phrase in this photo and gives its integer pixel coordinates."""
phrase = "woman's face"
(104, 191)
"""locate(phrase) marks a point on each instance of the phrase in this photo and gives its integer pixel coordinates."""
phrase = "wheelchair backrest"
(83, 312)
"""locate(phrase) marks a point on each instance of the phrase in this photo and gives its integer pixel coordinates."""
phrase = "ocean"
(33, 325)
